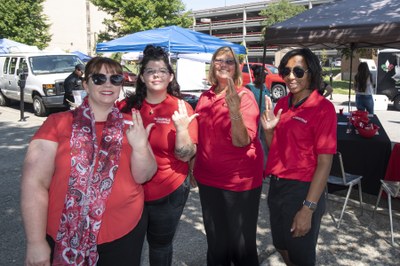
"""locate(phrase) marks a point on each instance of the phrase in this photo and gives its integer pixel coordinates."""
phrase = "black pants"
(125, 251)
(285, 199)
(164, 216)
(230, 221)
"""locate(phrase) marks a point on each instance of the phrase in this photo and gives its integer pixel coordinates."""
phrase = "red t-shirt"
(218, 163)
(171, 172)
(124, 205)
(300, 136)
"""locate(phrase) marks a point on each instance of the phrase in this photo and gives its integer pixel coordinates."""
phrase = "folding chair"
(347, 180)
(391, 184)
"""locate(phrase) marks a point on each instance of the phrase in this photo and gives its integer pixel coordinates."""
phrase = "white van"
(46, 73)
(388, 78)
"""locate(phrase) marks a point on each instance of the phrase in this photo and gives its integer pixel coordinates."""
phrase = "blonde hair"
(237, 77)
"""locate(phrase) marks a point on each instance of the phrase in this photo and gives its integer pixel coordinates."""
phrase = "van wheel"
(396, 102)
(38, 107)
(4, 101)
(278, 91)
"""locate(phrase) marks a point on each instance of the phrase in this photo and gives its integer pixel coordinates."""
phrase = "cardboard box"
(380, 102)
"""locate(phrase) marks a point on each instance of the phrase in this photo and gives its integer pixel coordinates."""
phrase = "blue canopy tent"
(173, 38)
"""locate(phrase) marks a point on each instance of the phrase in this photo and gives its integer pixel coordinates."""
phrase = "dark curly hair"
(151, 53)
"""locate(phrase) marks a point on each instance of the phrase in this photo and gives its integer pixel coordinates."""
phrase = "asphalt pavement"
(360, 240)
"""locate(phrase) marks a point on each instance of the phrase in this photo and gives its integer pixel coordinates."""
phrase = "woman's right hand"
(38, 254)
(268, 118)
(137, 135)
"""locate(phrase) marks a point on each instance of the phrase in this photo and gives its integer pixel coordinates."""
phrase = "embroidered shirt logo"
(300, 119)
(162, 120)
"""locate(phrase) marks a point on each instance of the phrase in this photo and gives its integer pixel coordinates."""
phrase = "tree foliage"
(24, 21)
(280, 11)
(129, 16)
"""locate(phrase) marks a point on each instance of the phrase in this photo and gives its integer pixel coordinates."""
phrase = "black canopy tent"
(340, 24)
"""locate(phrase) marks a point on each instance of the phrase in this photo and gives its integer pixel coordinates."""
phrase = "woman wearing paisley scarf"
(81, 195)
(173, 140)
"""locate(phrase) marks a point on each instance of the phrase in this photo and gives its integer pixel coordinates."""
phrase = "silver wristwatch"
(311, 205)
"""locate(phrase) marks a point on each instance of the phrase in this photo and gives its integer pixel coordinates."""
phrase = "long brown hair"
(361, 78)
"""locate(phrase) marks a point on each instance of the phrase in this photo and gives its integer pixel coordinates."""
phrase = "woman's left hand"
(232, 98)
(137, 135)
(301, 222)
(181, 118)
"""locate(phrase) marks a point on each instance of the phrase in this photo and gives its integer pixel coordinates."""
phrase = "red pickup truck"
(273, 81)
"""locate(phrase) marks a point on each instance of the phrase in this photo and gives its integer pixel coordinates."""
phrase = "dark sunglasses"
(229, 62)
(100, 79)
(298, 72)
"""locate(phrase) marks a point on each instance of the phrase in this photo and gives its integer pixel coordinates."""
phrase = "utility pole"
(209, 21)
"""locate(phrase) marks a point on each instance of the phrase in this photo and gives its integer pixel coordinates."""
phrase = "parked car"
(44, 86)
(337, 62)
(130, 78)
(273, 80)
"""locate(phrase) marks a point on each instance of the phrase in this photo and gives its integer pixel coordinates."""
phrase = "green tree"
(280, 11)
(129, 16)
(23, 21)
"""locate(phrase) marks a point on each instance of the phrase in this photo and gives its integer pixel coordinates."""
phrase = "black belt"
(274, 177)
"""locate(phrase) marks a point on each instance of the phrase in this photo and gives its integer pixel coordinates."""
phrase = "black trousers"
(230, 220)
(285, 199)
(125, 251)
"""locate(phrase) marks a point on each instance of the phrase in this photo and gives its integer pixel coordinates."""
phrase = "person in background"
(326, 89)
(81, 195)
(364, 88)
(301, 135)
(228, 165)
(256, 88)
(73, 82)
(173, 140)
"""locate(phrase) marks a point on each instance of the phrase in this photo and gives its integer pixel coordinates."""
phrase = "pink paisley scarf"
(88, 188)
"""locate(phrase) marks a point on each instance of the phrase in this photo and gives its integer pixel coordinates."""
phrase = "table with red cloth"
(363, 156)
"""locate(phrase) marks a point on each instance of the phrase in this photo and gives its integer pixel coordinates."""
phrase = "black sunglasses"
(298, 72)
(100, 79)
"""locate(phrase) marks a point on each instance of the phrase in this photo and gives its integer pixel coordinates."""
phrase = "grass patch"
(339, 86)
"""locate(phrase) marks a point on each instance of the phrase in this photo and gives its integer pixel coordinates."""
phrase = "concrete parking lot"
(361, 240)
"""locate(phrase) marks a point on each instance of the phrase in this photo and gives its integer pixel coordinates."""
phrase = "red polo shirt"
(218, 163)
(302, 134)
(171, 172)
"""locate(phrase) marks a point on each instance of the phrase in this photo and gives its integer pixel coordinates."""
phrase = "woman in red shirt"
(301, 136)
(229, 164)
(173, 140)
(81, 180)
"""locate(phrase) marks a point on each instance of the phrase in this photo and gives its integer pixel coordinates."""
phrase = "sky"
(204, 4)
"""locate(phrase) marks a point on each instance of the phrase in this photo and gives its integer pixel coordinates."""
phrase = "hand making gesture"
(181, 118)
(232, 98)
(268, 118)
(137, 135)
